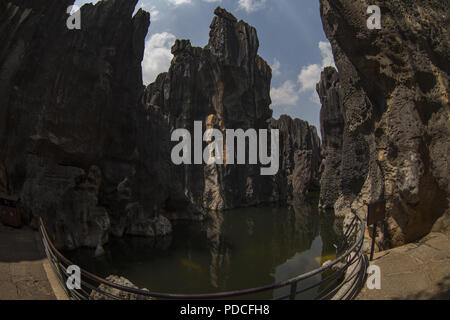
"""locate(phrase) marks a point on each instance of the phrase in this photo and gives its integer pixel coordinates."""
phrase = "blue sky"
(291, 40)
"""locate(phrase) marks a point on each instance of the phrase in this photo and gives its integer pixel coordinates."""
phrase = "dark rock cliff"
(68, 129)
(385, 115)
(332, 128)
(225, 85)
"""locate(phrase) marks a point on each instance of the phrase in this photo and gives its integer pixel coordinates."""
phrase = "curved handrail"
(352, 254)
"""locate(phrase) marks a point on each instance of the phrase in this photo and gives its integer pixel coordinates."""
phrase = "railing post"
(293, 291)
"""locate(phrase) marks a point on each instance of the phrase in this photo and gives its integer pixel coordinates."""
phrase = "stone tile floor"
(22, 275)
(419, 270)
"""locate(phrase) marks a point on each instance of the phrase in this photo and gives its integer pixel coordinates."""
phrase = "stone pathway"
(419, 270)
(22, 260)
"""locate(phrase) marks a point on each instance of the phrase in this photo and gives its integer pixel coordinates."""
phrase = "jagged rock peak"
(222, 13)
(225, 85)
(234, 42)
(116, 7)
(181, 46)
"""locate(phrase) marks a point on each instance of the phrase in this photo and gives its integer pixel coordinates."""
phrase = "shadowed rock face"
(385, 115)
(68, 102)
(225, 85)
(299, 159)
(88, 149)
(332, 129)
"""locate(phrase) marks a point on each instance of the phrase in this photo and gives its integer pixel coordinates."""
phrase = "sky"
(290, 34)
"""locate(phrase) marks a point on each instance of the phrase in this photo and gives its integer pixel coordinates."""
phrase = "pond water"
(233, 250)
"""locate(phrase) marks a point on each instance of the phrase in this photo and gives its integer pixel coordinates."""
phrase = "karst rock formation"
(385, 118)
(87, 146)
(225, 85)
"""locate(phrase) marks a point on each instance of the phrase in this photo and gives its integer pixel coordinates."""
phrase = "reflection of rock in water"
(188, 263)
(304, 245)
(329, 236)
(258, 235)
(250, 226)
(138, 246)
(306, 222)
(130, 249)
(213, 232)
(231, 250)
(332, 236)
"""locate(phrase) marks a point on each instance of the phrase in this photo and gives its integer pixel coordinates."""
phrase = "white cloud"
(179, 2)
(154, 14)
(310, 75)
(276, 67)
(308, 78)
(157, 56)
(314, 98)
(327, 54)
(252, 5)
(287, 94)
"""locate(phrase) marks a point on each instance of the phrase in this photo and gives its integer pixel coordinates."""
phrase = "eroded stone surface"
(123, 295)
(385, 115)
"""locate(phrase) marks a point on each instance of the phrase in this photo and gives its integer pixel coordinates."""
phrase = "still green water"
(233, 250)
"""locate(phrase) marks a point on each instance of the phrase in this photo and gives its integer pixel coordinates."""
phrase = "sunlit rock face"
(385, 115)
(225, 85)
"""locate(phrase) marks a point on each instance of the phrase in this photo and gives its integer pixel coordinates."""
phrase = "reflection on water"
(233, 250)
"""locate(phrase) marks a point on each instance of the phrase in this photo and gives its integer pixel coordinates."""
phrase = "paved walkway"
(419, 270)
(22, 266)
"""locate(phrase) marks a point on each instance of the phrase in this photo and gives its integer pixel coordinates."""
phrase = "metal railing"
(341, 278)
